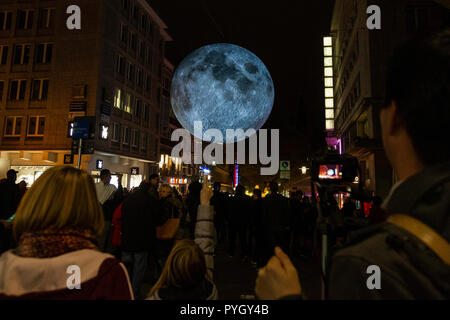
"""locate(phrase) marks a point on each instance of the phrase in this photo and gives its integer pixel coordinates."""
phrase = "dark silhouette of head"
(240, 190)
(216, 186)
(11, 175)
(257, 194)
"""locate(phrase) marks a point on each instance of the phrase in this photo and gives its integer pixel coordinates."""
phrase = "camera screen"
(330, 171)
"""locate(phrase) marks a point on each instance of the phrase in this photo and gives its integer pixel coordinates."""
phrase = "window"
(150, 57)
(128, 102)
(139, 78)
(46, 18)
(5, 20)
(131, 72)
(25, 19)
(157, 122)
(36, 126)
(144, 141)
(3, 55)
(2, 86)
(17, 89)
(44, 53)
(133, 41)
(13, 126)
(156, 147)
(22, 54)
(39, 90)
(148, 84)
(116, 132)
(135, 13)
(124, 33)
(126, 136)
(142, 51)
(121, 65)
(126, 5)
(144, 22)
(135, 138)
(138, 109)
(118, 99)
(146, 112)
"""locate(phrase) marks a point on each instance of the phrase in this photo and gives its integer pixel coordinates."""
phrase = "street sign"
(82, 127)
(285, 165)
(86, 148)
(81, 130)
(68, 159)
(285, 175)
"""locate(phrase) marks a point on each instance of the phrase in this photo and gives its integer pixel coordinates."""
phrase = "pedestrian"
(140, 217)
(192, 203)
(9, 195)
(57, 225)
(297, 215)
(239, 211)
(259, 230)
(276, 219)
(170, 208)
(218, 201)
(110, 197)
(412, 248)
(189, 270)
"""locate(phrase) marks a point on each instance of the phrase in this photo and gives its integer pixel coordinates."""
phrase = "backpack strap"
(427, 235)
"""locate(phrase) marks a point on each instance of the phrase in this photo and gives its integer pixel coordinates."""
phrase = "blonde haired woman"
(188, 271)
(184, 276)
(56, 228)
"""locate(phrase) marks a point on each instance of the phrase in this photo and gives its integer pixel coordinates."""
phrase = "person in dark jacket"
(218, 201)
(414, 125)
(140, 216)
(239, 212)
(192, 203)
(9, 195)
(275, 220)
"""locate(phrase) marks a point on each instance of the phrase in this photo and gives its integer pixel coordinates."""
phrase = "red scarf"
(54, 242)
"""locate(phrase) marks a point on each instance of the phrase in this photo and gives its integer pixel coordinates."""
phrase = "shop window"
(13, 126)
(36, 126)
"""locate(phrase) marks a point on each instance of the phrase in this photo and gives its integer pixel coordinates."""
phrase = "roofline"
(162, 25)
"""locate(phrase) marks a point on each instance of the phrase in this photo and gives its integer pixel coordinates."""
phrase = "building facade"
(110, 69)
(359, 59)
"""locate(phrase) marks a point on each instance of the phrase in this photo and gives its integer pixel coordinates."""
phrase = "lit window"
(329, 113)
(327, 51)
(118, 99)
(105, 132)
(329, 124)
(328, 82)
(328, 72)
(328, 62)
(327, 41)
(329, 103)
(328, 92)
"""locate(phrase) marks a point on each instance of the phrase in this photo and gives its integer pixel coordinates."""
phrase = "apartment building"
(357, 89)
(110, 69)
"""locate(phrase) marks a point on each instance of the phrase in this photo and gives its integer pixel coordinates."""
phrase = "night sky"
(286, 36)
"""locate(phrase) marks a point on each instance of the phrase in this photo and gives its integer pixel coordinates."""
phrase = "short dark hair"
(104, 173)
(418, 81)
(240, 190)
(153, 176)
